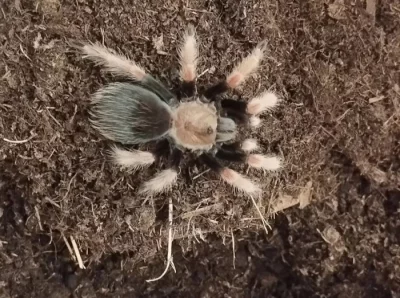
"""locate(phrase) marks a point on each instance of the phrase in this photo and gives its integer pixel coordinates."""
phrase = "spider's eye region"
(210, 130)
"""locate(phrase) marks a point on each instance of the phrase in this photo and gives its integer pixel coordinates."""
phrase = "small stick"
(264, 222)
(69, 187)
(19, 141)
(170, 239)
(199, 211)
(52, 202)
(203, 73)
(73, 116)
(77, 253)
(201, 174)
(69, 247)
(233, 250)
(38, 218)
(23, 52)
(52, 117)
(197, 10)
(323, 237)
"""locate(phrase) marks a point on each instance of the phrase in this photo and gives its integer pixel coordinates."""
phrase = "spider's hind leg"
(164, 180)
(138, 159)
(239, 74)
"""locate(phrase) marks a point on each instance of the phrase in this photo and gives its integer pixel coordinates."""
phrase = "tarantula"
(206, 124)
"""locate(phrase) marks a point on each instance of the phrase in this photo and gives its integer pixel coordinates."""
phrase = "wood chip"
(376, 99)
(371, 7)
(216, 208)
(305, 195)
(283, 202)
(336, 10)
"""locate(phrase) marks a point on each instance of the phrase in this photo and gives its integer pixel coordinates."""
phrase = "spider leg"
(259, 161)
(162, 149)
(266, 101)
(114, 63)
(137, 159)
(239, 74)
(188, 56)
(132, 159)
(240, 110)
(248, 145)
(235, 109)
(164, 180)
(230, 176)
(121, 66)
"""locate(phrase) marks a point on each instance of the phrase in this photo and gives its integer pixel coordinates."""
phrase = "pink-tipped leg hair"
(188, 59)
(240, 72)
(230, 176)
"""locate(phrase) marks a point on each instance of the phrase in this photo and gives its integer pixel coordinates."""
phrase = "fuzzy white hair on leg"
(161, 182)
(264, 102)
(269, 163)
(246, 67)
(255, 122)
(114, 63)
(239, 182)
(249, 145)
(132, 159)
(188, 55)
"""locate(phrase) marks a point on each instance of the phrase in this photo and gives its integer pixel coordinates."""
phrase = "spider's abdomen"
(130, 114)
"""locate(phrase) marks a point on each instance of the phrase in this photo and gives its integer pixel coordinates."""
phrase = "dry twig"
(263, 220)
(170, 239)
(77, 253)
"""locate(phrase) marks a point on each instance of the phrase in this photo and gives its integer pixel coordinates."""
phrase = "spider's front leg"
(230, 176)
(239, 74)
(240, 110)
(258, 161)
(188, 58)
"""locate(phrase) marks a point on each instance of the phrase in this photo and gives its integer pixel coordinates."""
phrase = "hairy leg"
(230, 176)
(248, 145)
(258, 161)
(239, 74)
(121, 66)
(188, 58)
(240, 110)
(164, 180)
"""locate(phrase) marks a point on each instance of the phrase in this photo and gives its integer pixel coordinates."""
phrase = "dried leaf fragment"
(305, 195)
(376, 99)
(283, 202)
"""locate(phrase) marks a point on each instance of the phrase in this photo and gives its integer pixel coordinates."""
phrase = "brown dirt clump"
(336, 64)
